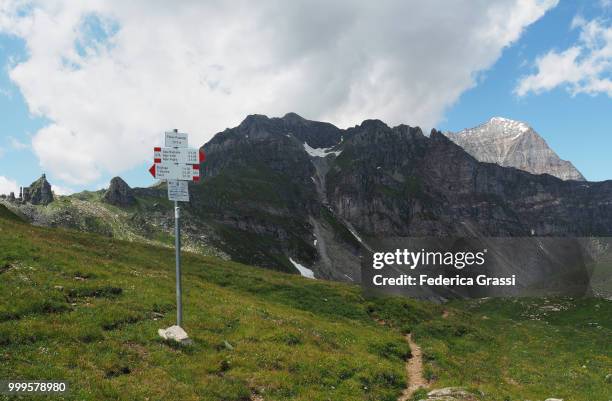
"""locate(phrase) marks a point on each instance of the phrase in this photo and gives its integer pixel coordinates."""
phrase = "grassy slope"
(5, 213)
(87, 308)
(523, 348)
(83, 308)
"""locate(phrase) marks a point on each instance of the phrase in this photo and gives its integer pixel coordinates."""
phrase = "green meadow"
(86, 308)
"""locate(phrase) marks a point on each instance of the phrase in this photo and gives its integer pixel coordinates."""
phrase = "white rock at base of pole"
(175, 333)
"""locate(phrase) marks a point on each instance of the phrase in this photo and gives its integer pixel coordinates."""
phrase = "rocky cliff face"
(395, 181)
(515, 144)
(262, 195)
(286, 188)
(119, 193)
(39, 192)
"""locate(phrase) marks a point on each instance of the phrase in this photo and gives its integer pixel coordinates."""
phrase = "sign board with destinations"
(177, 155)
(170, 171)
(176, 139)
(178, 191)
(177, 164)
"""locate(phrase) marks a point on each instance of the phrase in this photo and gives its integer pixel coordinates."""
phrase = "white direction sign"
(176, 161)
(168, 171)
(178, 191)
(176, 139)
(176, 155)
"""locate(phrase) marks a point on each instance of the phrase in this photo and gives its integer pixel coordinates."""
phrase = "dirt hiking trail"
(414, 370)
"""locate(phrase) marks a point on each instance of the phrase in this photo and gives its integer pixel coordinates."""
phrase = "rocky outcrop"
(259, 190)
(39, 192)
(119, 193)
(515, 144)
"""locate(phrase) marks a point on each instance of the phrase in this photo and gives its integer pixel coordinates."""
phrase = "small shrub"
(420, 394)
(290, 339)
(390, 349)
(95, 292)
(225, 365)
(429, 374)
(113, 325)
(117, 371)
(162, 308)
(90, 335)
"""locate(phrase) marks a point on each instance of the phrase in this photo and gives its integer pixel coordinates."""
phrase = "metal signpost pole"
(177, 244)
(177, 164)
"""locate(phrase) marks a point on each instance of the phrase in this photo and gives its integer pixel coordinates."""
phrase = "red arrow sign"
(152, 170)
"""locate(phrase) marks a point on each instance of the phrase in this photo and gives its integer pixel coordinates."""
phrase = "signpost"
(178, 191)
(175, 139)
(177, 165)
(176, 155)
(175, 171)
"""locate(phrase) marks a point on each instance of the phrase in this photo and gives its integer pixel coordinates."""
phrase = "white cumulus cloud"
(60, 190)
(7, 186)
(584, 67)
(111, 76)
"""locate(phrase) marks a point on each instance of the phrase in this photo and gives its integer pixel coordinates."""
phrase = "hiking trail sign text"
(176, 161)
(173, 171)
(178, 191)
(176, 139)
(176, 155)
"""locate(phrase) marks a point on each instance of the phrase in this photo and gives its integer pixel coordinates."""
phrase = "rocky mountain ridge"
(323, 205)
(305, 196)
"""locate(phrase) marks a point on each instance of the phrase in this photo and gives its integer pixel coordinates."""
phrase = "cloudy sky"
(87, 88)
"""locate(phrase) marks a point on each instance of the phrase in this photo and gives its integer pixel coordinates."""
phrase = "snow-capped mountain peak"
(512, 143)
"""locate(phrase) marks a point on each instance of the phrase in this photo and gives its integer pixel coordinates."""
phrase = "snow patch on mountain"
(502, 126)
(357, 237)
(304, 271)
(320, 152)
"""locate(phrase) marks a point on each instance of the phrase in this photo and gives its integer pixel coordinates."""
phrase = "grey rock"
(39, 192)
(450, 394)
(175, 333)
(119, 193)
(511, 143)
